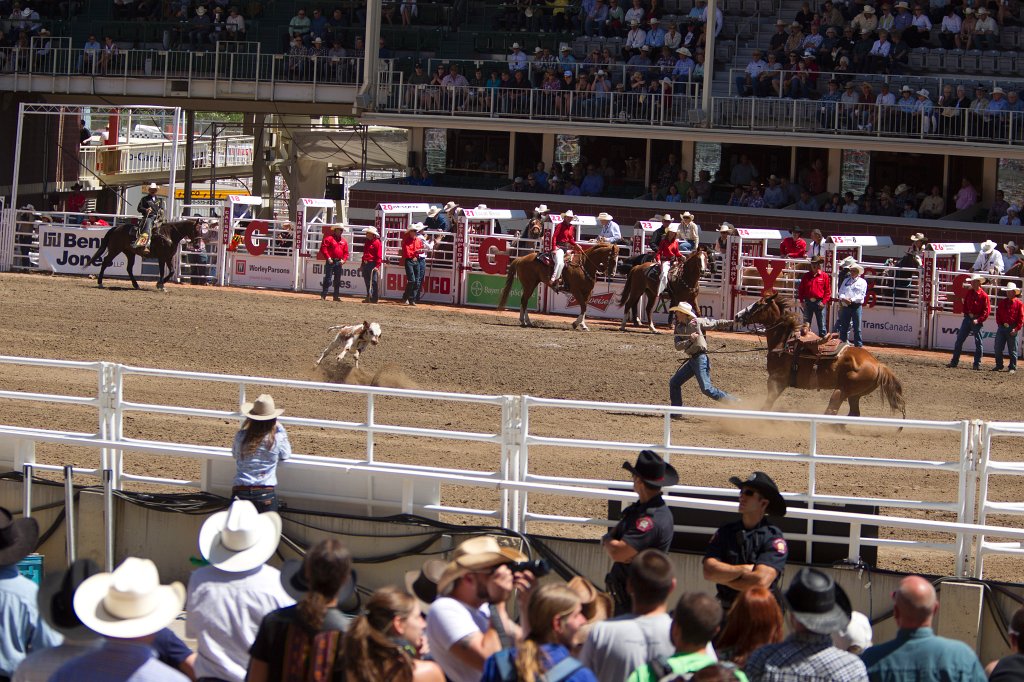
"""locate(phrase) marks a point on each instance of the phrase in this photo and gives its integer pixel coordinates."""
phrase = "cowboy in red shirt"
(563, 236)
(76, 200)
(334, 252)
(976, 310)
(794, 245)
(815, 293)
(1010, 318)
(668, 252)
(372, 261)
(412, 248)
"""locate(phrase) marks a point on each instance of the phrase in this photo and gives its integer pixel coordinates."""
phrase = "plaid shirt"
(804, 657)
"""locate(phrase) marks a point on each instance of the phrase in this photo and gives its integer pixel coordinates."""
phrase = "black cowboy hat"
(652, 470)
(817, 603)
(293, 580)
(763, 483)
(797, 230)
(18, 537)
(77, 186)
(56, 599)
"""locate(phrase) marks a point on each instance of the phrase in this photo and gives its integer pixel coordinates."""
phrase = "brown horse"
(684, 286)
(581, 278)
(163, 247)
(852, 374)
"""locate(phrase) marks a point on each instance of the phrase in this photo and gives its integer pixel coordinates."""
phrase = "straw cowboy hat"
(1010, 288)
(1011, 245)
(763, 483)
(263, 409)
(543, 208)
(917, 237)
(568, 214)
(652, 469)
(666, 218)
(684, 308)
(988, 246)
(671, 228)
(18, 537)
(422, 584)
(293, 581)
(449, 206)
(856, 268)
(902, 187)
(371, 230)
(476, 554)
(726, 227)
(856, 633)
(685, 215)
(597, 605)
(240, 538)
(56, 599)
(817, 603)
(130, 602)
(416, 227)
(604, 216)
(433, 211)
(847, 262)
(976, 277)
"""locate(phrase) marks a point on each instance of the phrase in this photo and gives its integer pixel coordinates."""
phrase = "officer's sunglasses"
(748, 492)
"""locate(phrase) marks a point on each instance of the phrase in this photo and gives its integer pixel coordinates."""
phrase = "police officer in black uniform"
(749, 552)
(645, 524)
(149, 206)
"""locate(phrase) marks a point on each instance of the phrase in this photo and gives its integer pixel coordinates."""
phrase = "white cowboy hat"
(516, 46)
(604, 216)
(920, 93)
(371, 230)
(868, 9)
(568, 214)
(726, 227)
(686, 215)
(671, 228)
(856, 267)
(433, 211)
(987, 246)
(543, 208)
(982, 10)
(1010, 288)
(153, 185)
(667, 218)
(480, 207)
(476, 554)
(449, 206)
(262, 409)
(1011, 245)
(998, 91)
(847, 262)
(422, 584)
(856, 633)
(917, 237)
(684, 308)
(976, 277)
(685, 52)
(239, 539)
(130, 602)
(416, 227)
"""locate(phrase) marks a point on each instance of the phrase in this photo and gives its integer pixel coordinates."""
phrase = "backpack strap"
(660, 667)
(563, 669)
(506, 668)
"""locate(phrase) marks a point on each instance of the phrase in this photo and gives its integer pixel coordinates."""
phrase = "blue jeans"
(967, 328)
(849, 315)
(816, 311)
(412, 273)
(1008, 340)
(698, 366)
(264, 499)
(332, 270)
(421, 273)
(371, 277)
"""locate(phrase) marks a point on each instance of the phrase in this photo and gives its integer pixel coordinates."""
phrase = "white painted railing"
(512, 432)
(155, 157)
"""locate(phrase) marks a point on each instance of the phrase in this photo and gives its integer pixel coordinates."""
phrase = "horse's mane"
(788, 316)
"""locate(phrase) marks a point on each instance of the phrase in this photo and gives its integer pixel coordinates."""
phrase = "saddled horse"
(852, 373)
(683, 285)
(163, 246)
(580, 278)
(1015, 270)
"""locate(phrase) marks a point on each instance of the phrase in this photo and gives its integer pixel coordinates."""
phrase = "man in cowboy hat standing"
(916, 653)
(645, 524)
(852, 293)
(610, 231)
(749, 552)
(228, 599)
(24, 631)
(817, 607)
(469, 622)
(334, 252)
(977, 307)
(689, 338)
(149, 207)
(814, 293)
(1009, 318)
(989, 261)
(372, 261)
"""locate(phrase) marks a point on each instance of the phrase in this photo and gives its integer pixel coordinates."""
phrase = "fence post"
(108, 520)
(522, 464)
(26, 490)
(69, 511)
(511, 439)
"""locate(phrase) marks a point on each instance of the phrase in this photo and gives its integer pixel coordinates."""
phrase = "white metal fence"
(227, 152)
(513, 432)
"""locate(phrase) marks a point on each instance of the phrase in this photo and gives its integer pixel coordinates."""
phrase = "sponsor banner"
(275, 272)
(69, 250)
(945, 327)
(603, 304)
(484, 290)
(351, 281)
(438, 285)
(897, 326)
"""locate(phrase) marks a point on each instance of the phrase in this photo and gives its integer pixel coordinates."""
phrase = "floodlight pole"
(15, 177)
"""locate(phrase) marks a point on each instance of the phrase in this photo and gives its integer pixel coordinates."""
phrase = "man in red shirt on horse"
(334, 252)
(562, 237)
(976, 310)
(1010, 318)
(815, 293)
(668, 252)
(794, 245)
(373, 260)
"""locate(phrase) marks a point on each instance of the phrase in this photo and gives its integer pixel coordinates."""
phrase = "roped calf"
(353, 337)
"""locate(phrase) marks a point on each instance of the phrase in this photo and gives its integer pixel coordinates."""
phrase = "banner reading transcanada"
(68, 250)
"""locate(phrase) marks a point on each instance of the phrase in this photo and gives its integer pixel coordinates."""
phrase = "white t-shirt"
(449, 622)
(617, 647)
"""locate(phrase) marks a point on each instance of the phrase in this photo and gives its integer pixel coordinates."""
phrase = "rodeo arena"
(323, 370)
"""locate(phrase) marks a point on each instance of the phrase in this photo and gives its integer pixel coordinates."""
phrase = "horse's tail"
(892, 390)
(509, 280)
(104, 244)
(626, 290)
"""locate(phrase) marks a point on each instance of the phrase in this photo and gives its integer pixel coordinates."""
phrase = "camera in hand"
(539, 567)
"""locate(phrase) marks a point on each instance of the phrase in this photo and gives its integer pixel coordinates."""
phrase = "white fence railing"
(155, 157)
(514, 428)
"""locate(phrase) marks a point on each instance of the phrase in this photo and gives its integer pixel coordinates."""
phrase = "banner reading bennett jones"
(69, 250)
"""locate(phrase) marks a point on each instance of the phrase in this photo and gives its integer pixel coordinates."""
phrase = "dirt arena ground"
(440, 348)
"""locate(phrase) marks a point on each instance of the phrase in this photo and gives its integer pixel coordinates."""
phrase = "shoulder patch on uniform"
(644, 524)
(779, 545)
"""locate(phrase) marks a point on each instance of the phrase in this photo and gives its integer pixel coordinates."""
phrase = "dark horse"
(683, 285)
(852, 373)
(164, 246)
(580, 278)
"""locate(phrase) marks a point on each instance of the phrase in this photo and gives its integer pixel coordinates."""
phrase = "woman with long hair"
(304, 641)
(258, 447)
(385, 643)
(754, 620)
(555, 616)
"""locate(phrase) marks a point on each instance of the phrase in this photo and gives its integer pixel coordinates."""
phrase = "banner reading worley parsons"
(68, 250)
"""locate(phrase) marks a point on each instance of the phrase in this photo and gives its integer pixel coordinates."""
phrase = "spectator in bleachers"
(933, 205)
(886, 19)
(919, 31)
(850, 206)
(614, 24)
(596, 19)
(909, 212)
(653, 193)
(828, 111)
(813, 40)
(967, 196)
(965, 41)
(655, 34)
(109, 54)
(904, 19)
(90, 55)
(593, 183)
(878, 56)
(517, 59)
(566, 60)
(335, 23)
(743, 173)
(703, 185)
(635, 13)
(1011, 255)
(949, 28)
(1011, 218)
(804, 17)
(747, 82)
(298, 59)
(682, 69)
(777, 43)
(299, 27)
(887, 207)
(866, 20)
(996, 112)
(986, 31)
(905, 108)
(673, 38)
(834, 204)
(998, 208)
(409, 10)
(899, 54)
(736, 198)
(635, 39)
(383, 51)
(806, 202)
(795, 39)
(774, 197)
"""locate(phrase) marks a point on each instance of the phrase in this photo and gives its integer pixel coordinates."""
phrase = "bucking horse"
(163, 246)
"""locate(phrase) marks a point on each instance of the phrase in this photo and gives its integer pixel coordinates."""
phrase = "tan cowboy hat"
(684, 308)
(1010, 288)
(262, 409)
(604, 216)
(371, 230)
(480, 207)
(666, 218)
(686, 215)
(239, 539)
(568, 214)
(902, 187)
(988, 246)
(476, 554)
(672, 228)
(917, 237)
(414, 227)
(449, 206)
(856, 268)
(130, 602)
(543, 208)
(1011, 245)
(433, 211)
(422, 584)
(726, 227)
(868, 9)
(976, 277)
(847, 262)
(597, 605)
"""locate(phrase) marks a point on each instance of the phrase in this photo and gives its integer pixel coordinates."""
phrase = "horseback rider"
(690, 232)
(918, 242)
(562, 237)
(689, 338)
(150, 206)
(668, 252)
